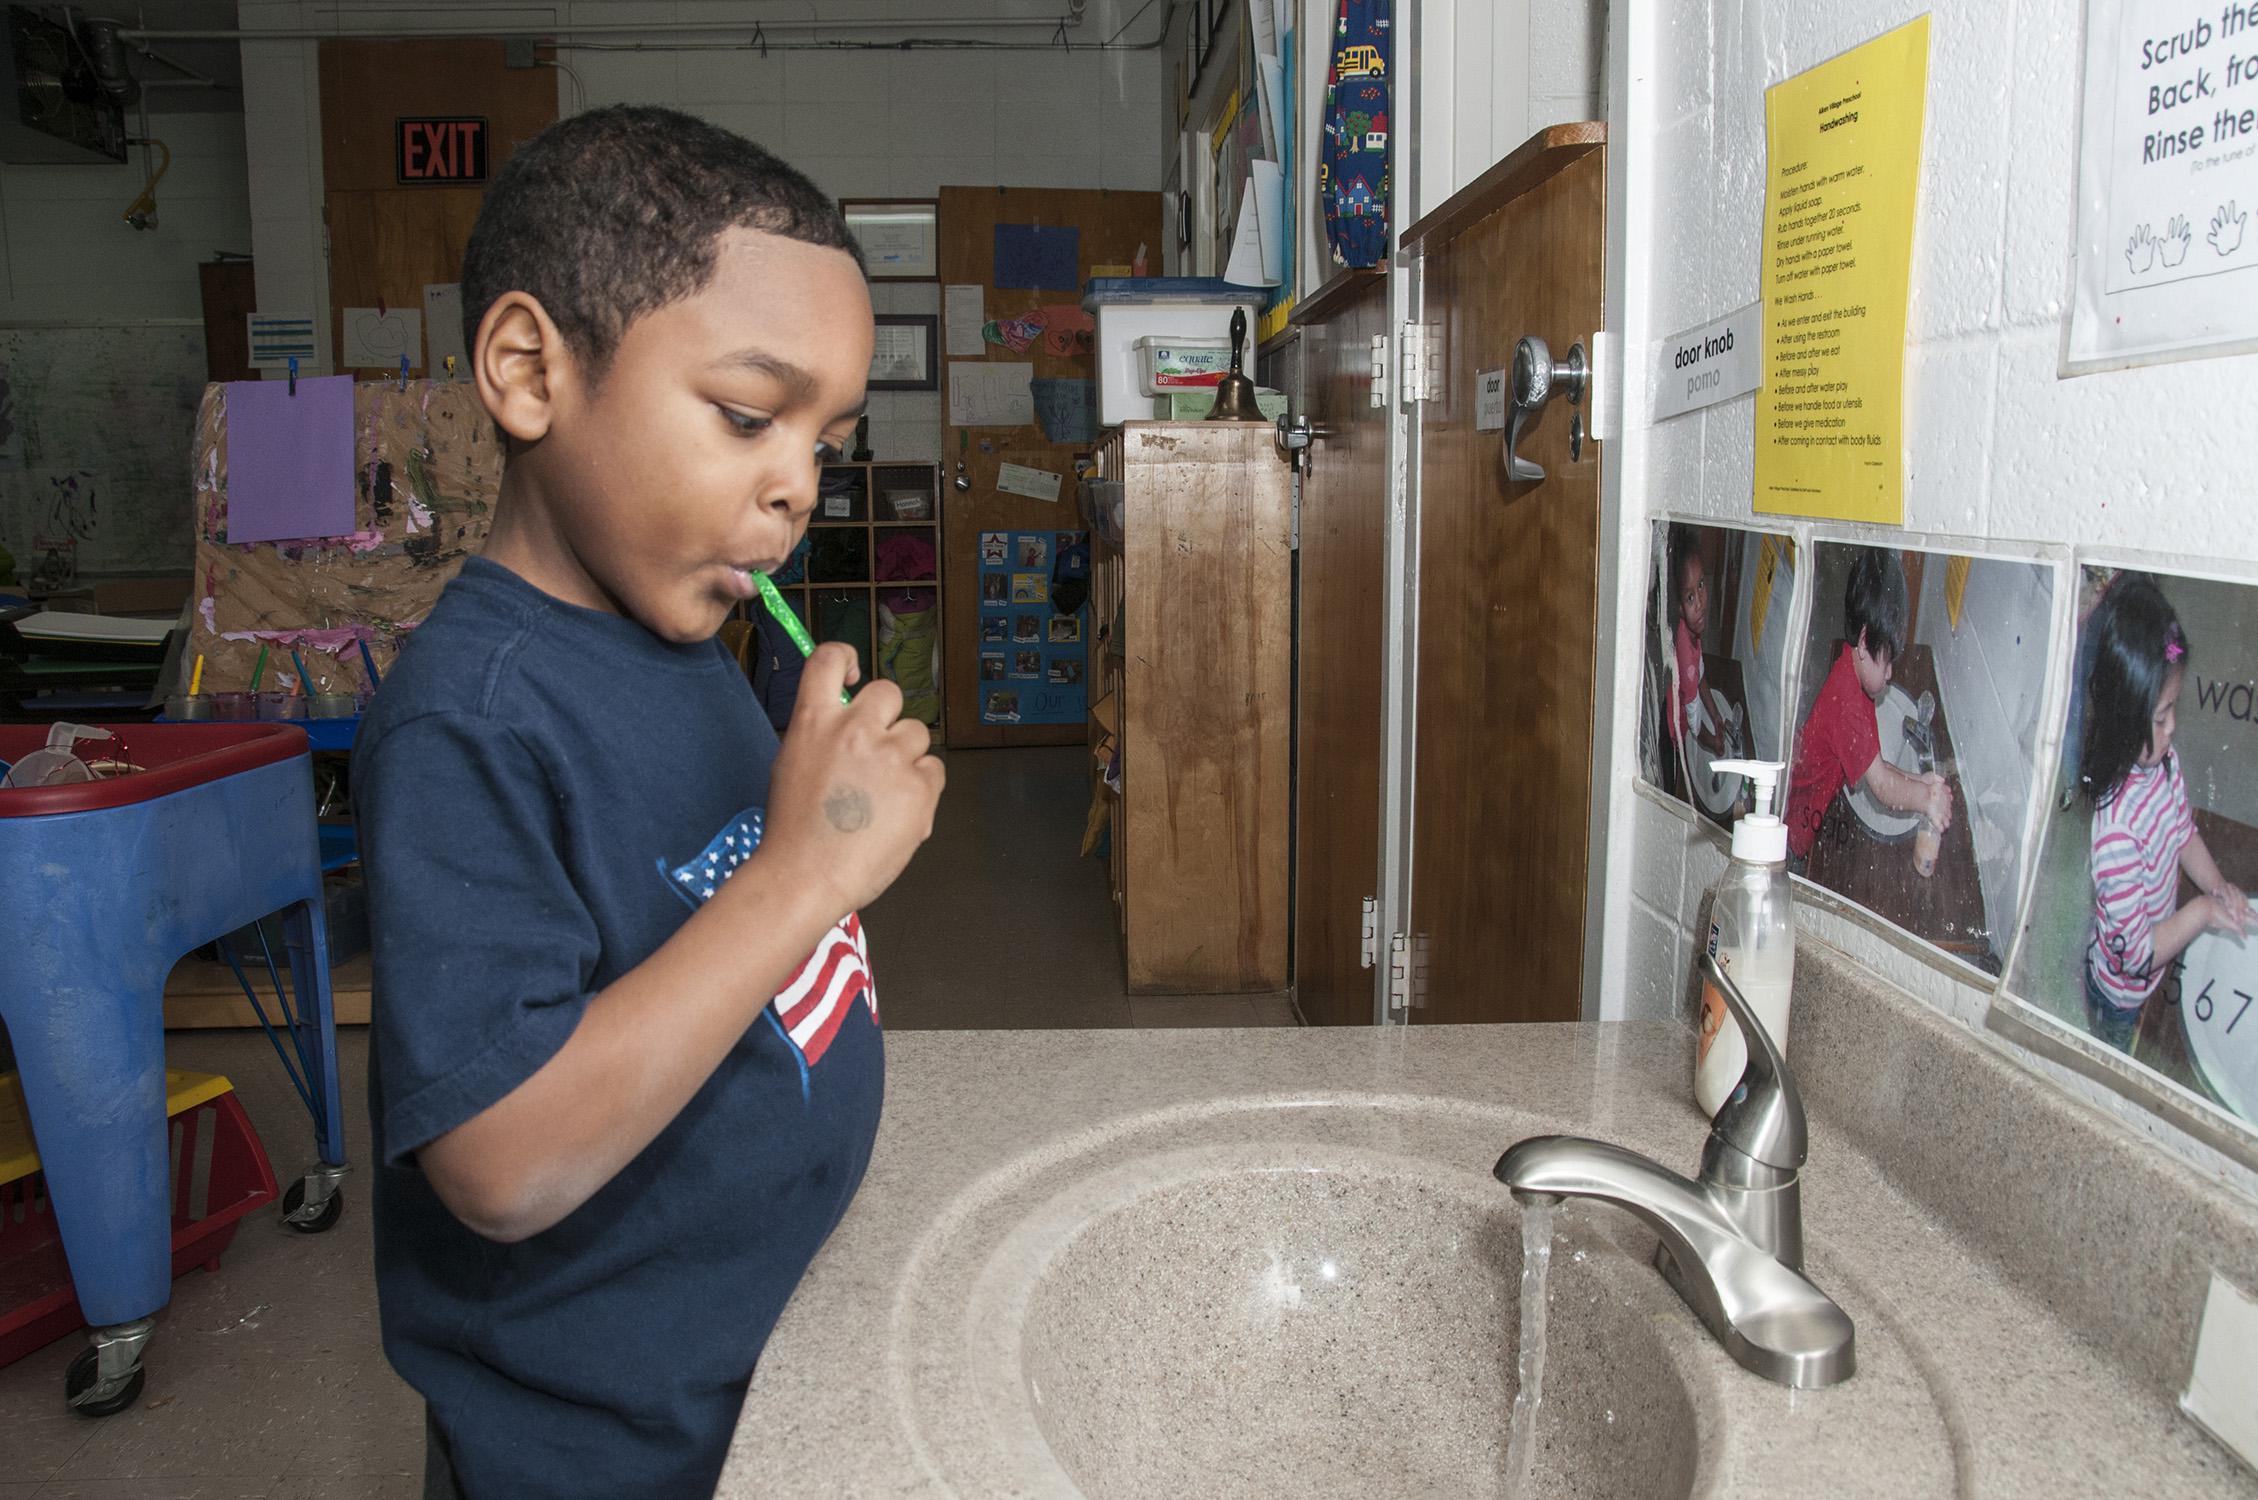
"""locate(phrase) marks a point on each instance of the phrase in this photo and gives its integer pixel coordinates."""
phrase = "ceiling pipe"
(416, 32)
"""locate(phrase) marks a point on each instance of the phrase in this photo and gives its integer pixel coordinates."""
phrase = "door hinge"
(1422, 362)
(1379, 369)
(1368, 948)
(1399, 973)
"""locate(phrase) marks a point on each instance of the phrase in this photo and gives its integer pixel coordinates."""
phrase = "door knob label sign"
(1703, 366)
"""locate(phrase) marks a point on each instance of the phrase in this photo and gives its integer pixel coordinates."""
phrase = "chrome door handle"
(1537, 378)
(1295, 434)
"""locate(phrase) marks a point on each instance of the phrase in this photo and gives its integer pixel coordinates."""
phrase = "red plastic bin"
(220, 1173)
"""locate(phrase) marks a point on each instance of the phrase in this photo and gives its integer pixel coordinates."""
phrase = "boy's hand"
(854, 790)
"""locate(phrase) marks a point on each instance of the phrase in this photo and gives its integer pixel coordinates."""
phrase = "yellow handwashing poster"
(1844, 169)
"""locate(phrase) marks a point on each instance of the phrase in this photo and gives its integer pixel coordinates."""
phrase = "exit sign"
(447, 149)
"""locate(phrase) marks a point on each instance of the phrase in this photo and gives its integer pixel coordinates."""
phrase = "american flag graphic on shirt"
(823, 989)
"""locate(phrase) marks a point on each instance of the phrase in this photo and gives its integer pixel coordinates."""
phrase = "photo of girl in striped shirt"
(2144, 835)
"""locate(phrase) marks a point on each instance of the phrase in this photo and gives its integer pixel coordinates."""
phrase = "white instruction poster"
(2167, 257)
(964, 310)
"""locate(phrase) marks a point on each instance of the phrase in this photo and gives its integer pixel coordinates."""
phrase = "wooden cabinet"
(1192, 604)
(851, 566)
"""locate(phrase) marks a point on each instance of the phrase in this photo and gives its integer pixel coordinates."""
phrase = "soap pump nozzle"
(1760, 836)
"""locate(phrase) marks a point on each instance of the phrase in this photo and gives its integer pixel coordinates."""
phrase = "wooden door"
(1112, 229)
(1507, 614)
(1344, 506)
(389, 240)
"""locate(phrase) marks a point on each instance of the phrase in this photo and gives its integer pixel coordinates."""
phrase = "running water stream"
(1529, 1392)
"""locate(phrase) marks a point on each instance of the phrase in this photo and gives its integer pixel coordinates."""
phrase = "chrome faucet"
(1732, 1243)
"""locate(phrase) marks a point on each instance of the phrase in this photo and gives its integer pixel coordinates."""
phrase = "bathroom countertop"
(2032, 1406)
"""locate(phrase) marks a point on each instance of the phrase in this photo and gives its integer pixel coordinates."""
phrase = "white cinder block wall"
(1996, 446)
(862, 123)
(72, 258)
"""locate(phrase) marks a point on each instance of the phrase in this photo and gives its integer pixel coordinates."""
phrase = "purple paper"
(289, 459)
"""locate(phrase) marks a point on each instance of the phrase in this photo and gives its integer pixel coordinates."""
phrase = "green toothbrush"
(782, 614)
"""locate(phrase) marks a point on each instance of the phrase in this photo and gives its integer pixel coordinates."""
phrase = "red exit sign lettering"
(440, 150)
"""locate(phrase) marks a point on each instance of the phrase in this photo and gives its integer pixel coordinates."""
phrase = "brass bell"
(1235, 397)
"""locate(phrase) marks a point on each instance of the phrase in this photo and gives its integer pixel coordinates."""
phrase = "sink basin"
(1322, 1297)
(1357, 1320)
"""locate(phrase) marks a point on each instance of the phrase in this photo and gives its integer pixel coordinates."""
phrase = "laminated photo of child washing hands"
(1914, 764)
(2140, 933)
(1717, 641)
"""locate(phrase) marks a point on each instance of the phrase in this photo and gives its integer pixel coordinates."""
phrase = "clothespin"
(403, 372)
(293, 374)
(450, 367)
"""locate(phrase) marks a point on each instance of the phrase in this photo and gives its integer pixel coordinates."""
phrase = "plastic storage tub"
(220, 1173)
(1129, 308)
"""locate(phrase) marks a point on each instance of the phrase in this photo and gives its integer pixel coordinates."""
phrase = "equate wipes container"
(1182, 364)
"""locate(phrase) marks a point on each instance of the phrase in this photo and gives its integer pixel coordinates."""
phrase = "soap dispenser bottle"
(1751, 935)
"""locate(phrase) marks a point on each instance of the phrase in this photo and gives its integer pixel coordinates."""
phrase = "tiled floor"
(266, 1378)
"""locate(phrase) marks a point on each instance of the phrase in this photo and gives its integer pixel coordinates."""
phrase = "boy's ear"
(517, 361)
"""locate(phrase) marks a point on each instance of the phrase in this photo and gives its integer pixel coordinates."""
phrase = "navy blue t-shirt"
(545, 795)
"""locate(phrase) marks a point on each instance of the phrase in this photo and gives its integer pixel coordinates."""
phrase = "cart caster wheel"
(323, 1219)
(80, 1387)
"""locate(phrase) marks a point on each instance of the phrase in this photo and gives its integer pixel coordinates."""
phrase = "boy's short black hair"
(1874, 603)
(2138, 643)
(611, 214)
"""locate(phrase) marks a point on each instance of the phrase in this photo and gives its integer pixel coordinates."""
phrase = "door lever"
(1295, 434)
(1537, 378)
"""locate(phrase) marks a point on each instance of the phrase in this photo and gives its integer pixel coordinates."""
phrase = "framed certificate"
(899, 237)
(902, 358)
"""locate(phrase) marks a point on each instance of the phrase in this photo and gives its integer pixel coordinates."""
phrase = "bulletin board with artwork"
(1019, 374)
(1034, 627)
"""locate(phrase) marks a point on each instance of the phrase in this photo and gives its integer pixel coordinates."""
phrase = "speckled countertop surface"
(2035, 1380)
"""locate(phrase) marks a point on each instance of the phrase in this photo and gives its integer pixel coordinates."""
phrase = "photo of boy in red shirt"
(1839, 745)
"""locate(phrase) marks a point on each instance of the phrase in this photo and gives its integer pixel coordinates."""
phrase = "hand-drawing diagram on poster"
(1717, 644)
(1910, 785)
(2140, 934)
(2166, 258)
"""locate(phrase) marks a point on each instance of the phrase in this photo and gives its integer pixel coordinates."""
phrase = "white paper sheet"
(277, 337)
(982, 394)
(1258, 242)
(1035, 484)
(965, 310)
(443, 318)
(377, 340)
